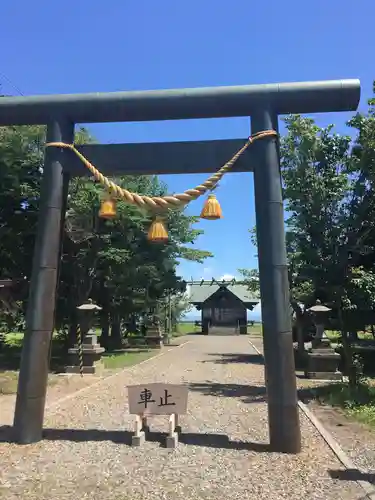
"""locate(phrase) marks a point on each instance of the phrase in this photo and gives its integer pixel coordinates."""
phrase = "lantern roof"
(89, 306)
(319, 307)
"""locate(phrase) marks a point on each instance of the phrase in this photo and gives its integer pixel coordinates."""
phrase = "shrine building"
(223, 305)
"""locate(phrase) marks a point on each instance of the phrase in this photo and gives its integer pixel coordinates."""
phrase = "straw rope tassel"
(157, 231)
(211, 209)
(80, 350)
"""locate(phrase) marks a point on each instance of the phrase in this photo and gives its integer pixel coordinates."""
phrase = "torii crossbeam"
(263, 103)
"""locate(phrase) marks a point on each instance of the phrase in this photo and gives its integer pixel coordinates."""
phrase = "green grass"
(8, 382)
(117, 360)
(185, 329)
(256, 329)
(357, 403)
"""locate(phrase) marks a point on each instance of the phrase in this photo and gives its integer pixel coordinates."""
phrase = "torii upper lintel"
(180, 104)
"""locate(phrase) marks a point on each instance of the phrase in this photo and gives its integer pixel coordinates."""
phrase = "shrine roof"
(201, 291)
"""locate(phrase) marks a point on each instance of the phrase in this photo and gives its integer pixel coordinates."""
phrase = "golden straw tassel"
(157, 231)
(107, 209)
(211, 209)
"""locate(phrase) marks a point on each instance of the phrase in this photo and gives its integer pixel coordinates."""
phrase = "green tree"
(20, 173)
(251, 279)
(327, 192)
(112, 261)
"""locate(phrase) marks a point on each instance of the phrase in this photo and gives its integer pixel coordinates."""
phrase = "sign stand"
(157, 399)
(141, 429)
(139, 434)
(174, 430)
(145, 426)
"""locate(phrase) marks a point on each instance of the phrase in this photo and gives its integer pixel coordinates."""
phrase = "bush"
(357, 402)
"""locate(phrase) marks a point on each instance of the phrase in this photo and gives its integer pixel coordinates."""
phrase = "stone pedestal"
(322, 361)
(154, 338)
(166, 339)
(92, 354)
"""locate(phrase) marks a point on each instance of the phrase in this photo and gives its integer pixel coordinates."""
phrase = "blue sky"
(94, 46)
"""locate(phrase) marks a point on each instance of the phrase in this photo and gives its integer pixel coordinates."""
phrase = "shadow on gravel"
(247, 393)
(352, 475)
(254, 359)
(253, 393)
(124, 437)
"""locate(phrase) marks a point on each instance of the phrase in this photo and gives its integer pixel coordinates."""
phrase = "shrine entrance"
(260, 154)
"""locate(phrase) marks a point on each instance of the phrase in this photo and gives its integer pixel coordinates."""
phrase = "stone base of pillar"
(95, 369)
(154, 342)
(91, 356)
(154, 338)
(322, 362)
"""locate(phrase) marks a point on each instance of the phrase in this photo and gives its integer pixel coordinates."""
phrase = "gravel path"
(86, 453)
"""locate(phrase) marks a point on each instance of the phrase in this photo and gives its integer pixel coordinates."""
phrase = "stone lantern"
(319, 317)
(154, 338)
(91, 349)
(322, 360)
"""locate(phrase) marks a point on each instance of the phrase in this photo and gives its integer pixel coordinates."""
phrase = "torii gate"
(263, 103)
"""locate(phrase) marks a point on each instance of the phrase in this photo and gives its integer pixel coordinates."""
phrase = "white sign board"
(157, 399)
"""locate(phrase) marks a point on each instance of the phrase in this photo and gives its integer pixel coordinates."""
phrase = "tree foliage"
(328, 184)
(110, 261)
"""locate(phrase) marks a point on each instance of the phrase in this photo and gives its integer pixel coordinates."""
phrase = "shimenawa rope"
(157, 203)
